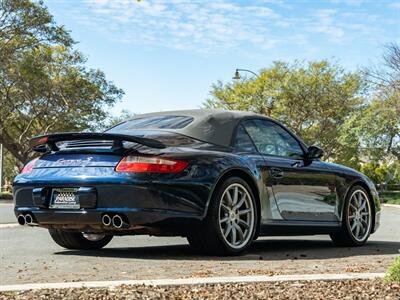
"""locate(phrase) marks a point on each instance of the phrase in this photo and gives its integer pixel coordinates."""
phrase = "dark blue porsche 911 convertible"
(219, 178)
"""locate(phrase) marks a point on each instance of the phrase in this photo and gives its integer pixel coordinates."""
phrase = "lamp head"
(237, 75)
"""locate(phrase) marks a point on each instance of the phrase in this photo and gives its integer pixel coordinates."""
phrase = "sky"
(166, 55)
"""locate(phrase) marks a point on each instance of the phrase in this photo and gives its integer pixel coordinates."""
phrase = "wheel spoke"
(239, 231)
(228, 230)
(353, 207)
(226, 208)
(235, 195)
(363, 204)
(244, 211)
(360, 198)
(229, 197)
(242, 222)
(353, 226)
(354, 202)
(357, 229)
(240, 203)
(224, 220)
(363, 227)
(233, 235)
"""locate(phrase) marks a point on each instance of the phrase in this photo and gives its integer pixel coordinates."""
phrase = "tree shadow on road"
(267, 249)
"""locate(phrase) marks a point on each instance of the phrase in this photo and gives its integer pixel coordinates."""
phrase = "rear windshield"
(155, 122)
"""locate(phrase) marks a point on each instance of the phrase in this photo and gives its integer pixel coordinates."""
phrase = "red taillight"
(43, 140)
(29, 166)
(150, 164)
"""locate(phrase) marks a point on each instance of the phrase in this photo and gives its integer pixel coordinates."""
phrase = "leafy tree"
(44, 84)
(124, 115)
(349, 150)
(314, 99)
(26, 24)
(11, 167)
(387, 74)
(372, 133)
(380, 125)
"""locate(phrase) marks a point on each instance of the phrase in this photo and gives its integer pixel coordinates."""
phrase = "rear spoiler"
(44, 143)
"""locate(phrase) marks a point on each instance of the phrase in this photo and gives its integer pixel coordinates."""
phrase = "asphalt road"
(29, 255)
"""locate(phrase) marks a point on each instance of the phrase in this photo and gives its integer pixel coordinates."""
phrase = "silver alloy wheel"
(236, 216)
(359, 215)
(93, 237)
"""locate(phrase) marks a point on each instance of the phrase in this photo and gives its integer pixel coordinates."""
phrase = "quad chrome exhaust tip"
(106, 220)
(21, 220)
(117, 222)
(28, 219)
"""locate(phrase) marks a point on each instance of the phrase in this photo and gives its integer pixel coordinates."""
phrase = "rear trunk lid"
(76, 150)
(65, 160)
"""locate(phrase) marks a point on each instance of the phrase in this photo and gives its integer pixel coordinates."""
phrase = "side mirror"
(314, 152)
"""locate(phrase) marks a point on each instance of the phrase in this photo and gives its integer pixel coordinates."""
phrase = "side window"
(272, 139)
(243, 142)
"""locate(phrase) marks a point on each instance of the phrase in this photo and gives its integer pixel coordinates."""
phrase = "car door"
(304, 189)
(245, 148)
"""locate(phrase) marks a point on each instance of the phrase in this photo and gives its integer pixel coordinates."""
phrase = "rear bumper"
(91, 219)
(140, 204)
(377, 220)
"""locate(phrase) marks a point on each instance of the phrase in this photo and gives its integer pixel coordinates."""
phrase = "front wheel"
(79, 240)
(357, 219)
(230, 224)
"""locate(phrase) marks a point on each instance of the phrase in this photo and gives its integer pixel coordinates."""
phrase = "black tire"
(344, 237)
(208, 238)
(76, 240)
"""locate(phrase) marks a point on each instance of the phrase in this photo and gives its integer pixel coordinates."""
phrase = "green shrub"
(381, 172)
(390, 197)
(393, 273)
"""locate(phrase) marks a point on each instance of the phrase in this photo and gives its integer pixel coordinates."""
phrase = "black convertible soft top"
(209, 125)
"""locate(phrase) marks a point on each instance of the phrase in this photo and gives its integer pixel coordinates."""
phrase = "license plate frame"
(64, 198)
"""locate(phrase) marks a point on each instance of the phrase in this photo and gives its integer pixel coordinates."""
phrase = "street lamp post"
(237, 74)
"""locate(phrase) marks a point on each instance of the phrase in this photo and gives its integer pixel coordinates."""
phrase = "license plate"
(66, 198)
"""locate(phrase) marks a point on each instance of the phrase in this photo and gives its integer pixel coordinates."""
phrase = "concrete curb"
(189, 281)
(391, 205)
(4, 202)
(9, 225)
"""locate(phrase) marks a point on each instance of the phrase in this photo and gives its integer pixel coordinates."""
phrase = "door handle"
(297, 164)
(276, 173)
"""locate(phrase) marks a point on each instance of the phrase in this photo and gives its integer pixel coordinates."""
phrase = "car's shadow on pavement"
(263, 249)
